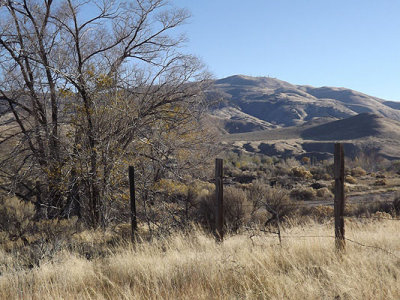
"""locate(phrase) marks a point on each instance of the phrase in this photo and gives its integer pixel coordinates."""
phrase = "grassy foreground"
(245, 266)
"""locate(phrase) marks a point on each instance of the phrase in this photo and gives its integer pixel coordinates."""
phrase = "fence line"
(376, 218)
(302, 205)
(338, 203)
(374, 247)
(333, 237)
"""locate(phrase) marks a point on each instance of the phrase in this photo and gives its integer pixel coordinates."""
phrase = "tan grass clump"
(301, 172)
(303, 193)
(319, 173)
(380, 175)
(380, 182)
(324, 193)
(332, 187)
(358, 172)
(350, 179)
(322, 213)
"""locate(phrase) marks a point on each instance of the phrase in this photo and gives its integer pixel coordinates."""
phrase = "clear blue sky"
(347, 43)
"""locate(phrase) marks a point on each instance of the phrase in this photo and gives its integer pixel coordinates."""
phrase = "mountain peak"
(249, 81)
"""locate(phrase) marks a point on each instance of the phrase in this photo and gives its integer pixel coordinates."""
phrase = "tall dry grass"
(244, 266)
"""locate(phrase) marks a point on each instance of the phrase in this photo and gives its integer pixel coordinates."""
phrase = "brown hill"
(264, 101)
(361, 126)
(367, 133)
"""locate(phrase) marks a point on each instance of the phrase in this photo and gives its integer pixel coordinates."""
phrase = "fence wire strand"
(372, 217)
(331, 236)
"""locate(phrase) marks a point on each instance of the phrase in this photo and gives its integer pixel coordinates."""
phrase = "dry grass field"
(250, 265)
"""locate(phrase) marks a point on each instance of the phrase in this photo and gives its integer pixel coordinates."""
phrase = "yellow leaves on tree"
(103, 81)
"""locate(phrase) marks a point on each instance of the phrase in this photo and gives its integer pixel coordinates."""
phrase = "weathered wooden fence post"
(339, 197)
(219, 197)
(133, 201)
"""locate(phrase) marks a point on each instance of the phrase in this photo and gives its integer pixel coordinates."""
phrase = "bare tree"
(90, 87)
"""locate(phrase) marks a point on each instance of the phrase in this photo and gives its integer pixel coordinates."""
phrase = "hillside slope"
(366, 132)
(360, 126)
(263, 102)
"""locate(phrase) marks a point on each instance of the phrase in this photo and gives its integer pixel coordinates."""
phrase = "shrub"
(290, 163)
(57, 229)
(349, 208)
(350, 179)
(16, 217)
(371, 162)
(367, 209)
(274, 200)
(317, 185)
(326, 176)
(34, 241)
(358, 172)
(237, 209)
(380, 214)
(301, 172)
(303, 193)
(396, 204)
(319, 213)
(380, 182)
(278, 200)
(322, 212)
(380, 175)
(324, 193)
(280, 170)
(265, 160)
(170, 187)
(319, 173)
(332, 187)
(394, 167)
(245, 177)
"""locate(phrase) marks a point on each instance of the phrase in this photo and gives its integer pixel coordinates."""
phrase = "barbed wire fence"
(338, 212)
(252, 231)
